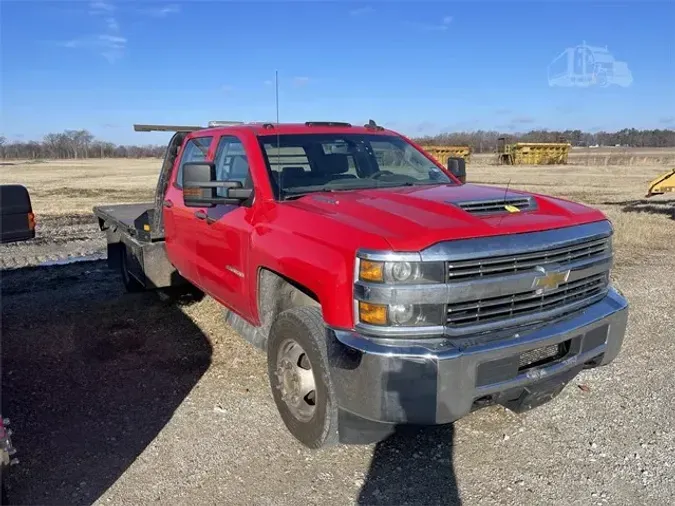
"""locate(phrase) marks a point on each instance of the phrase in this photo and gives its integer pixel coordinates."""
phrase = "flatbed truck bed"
(135, 244)
(129, 218)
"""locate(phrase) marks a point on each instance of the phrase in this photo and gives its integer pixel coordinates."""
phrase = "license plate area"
(543, 356)
(505, 369)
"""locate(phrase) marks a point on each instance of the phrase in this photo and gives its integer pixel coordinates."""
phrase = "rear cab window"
(196, 150)
(231, 163)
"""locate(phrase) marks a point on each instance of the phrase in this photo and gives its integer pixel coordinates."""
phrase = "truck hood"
(413, 218)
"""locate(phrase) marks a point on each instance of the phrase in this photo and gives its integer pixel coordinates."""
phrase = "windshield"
(306, 163)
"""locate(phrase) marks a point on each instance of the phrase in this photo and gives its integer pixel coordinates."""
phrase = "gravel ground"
(58, 239)
(133, 399)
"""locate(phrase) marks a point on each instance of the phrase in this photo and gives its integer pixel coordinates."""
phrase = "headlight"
(401, 315)
(401, 272)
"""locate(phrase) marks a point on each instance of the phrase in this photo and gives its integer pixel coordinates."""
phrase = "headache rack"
(184, 128)
(266, 124)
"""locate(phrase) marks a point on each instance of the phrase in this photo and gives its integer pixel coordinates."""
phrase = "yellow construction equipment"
(532, 153)
(442, 153)
(662, 184)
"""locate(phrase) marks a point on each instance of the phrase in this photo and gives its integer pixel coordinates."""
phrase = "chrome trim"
(379, 293)
(517, 340)
(388, 256)
(513, 244)
(528, 319)
(391, 331)
(487, 287)
(426, 382)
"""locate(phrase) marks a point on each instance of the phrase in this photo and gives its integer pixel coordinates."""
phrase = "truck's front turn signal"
(371, 271)
(374, 314)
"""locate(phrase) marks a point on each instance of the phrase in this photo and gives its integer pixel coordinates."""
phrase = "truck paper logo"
(585, 66)
(511, 209)
(550, 280)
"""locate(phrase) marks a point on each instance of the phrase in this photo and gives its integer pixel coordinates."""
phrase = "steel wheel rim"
(295, 380)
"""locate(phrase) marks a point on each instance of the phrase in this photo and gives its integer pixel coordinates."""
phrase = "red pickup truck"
(383, 289)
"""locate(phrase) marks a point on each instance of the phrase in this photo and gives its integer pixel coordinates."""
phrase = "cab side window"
(195, 151)
(231, 163)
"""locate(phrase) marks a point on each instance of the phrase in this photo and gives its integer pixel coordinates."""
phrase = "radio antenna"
(276, 102)
(276, 92)
(506, 191)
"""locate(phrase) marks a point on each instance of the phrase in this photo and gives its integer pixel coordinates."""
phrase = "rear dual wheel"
(298, 371)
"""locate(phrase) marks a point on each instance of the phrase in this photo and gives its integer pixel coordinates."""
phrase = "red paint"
(313, 240)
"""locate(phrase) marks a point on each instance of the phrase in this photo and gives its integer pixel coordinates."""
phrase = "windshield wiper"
(290, 194)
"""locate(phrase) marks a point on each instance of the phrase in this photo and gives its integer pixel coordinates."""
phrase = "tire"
(303, 327)
(131, 284)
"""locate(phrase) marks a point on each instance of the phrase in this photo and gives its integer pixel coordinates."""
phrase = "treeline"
(82, 144)
(74, 144)
(485, 141)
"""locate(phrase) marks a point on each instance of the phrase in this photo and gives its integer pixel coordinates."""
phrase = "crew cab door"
(181, 222)
(225, 231)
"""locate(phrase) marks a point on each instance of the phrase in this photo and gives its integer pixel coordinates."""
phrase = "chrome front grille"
(494, 309)
(467, 270)
(495, 283)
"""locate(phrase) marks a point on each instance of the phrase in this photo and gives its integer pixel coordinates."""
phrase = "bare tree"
(82, 144)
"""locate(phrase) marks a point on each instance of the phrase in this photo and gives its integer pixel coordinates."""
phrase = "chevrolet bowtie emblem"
(550, 281)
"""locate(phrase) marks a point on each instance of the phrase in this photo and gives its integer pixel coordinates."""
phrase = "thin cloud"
(111, 47)
(101, 8)
(268, 82)
(361, 11)
(112, 24)
(442, 26)
(109, 43)
(300, 81)
(161, 11)
(503, 110)
(667, 120)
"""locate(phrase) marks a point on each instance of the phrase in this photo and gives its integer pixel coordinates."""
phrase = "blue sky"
(417, 67)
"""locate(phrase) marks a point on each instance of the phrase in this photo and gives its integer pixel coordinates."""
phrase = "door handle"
(167, 203)
(203, 216)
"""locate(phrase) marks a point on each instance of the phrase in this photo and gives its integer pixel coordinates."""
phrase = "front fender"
(321, 268)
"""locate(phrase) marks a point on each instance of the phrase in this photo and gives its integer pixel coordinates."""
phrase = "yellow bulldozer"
(665, 183)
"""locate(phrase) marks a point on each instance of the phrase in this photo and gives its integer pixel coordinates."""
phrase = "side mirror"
(200, 185)
(457, 167)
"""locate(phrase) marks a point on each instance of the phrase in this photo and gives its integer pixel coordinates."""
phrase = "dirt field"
(129, 399)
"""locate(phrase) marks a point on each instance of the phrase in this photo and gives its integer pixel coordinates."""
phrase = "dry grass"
(74, 187)
(604, 157)
(63, 187)
(641, 224)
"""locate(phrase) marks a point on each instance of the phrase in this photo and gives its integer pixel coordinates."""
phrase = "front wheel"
(298, 371)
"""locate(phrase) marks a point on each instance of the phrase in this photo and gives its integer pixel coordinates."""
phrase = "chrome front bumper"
(424, 384)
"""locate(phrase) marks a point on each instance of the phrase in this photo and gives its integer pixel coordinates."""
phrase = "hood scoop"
(503, 205)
